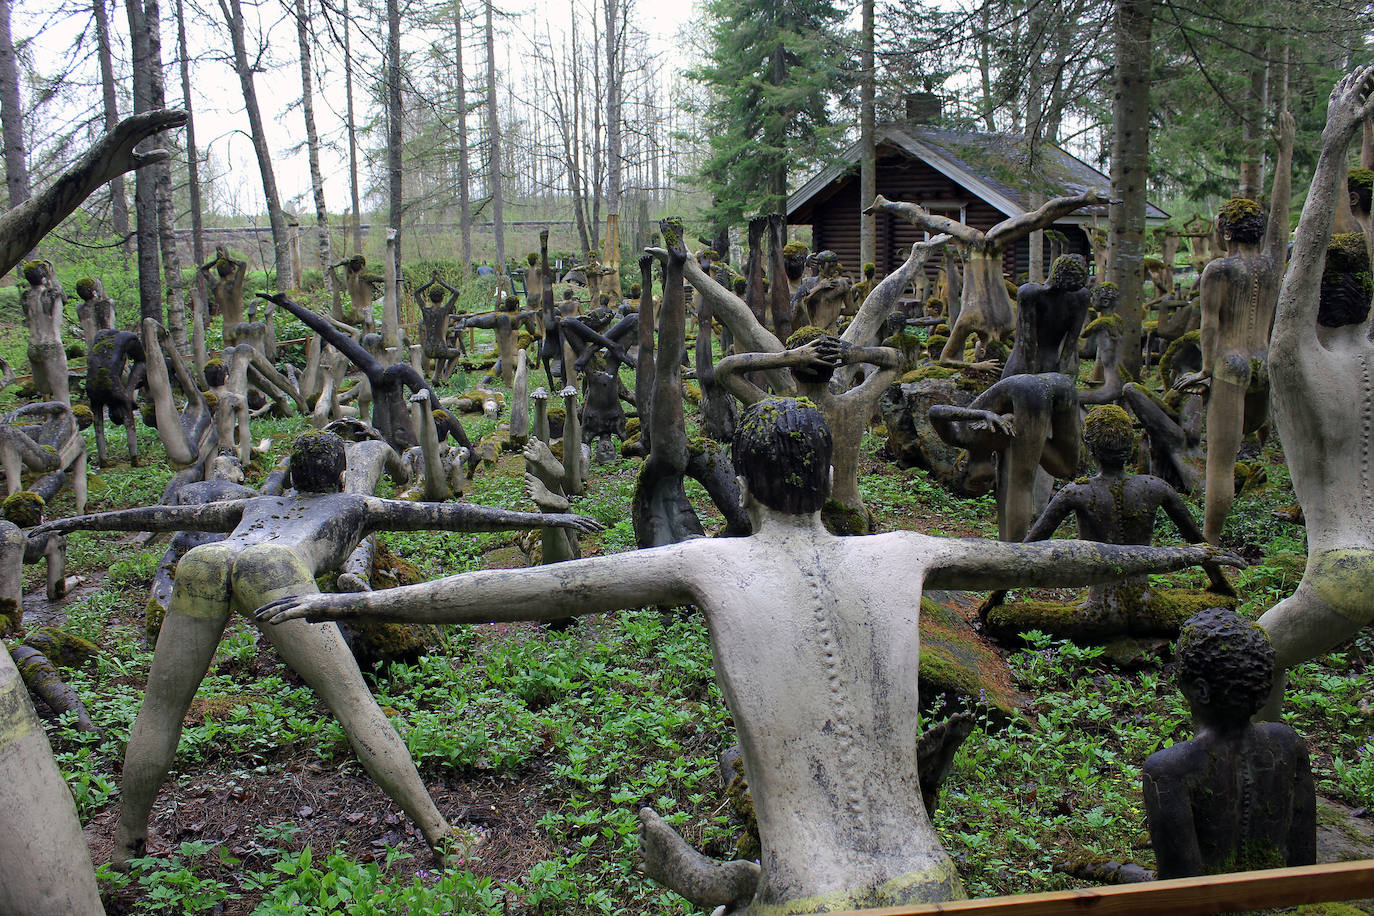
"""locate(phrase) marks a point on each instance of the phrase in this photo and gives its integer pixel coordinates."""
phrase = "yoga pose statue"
(815, 646)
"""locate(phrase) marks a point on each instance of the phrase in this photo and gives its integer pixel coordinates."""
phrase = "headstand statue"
(829, 624)
(277, 545)
(1239, 293)
(1320, 361)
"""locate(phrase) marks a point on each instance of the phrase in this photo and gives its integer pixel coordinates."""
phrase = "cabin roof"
(994, 167)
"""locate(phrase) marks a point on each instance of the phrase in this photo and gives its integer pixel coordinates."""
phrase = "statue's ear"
(1202, 692)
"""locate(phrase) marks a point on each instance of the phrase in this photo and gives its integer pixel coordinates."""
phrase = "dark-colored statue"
(434, 326)
(1238, 796)
(1049, 319)
(115, 370)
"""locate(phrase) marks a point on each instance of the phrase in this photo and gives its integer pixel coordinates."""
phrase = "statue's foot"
(352, 582)
(454, 846)
(543, 497)
(672, 862)
(540, 459)
(128, 845)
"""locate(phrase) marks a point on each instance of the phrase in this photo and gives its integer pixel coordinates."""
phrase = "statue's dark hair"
(782, 450)
(1069, 271)
(1232, 656)
(318, 460)
(1244, 219)
(216, 373)
(801, 337)
(1361, 184)
(436, 294)
(1107, 431)
(1346, 282)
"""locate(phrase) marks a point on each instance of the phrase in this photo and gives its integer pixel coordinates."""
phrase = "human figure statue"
(1049, 320)
(47, 864)
(1020, 423)
(1319, 358)
(42, 302)
(985, 307)
(507, 323)
(96, 311)
(388, 384)
(1238, 295)
(813, 357)
(225, 276)
(363, 289)
(602, 415)
(189, 437)
(1239, 795)
(832, 767)
(534, 281)
(821, 303)
(1116, 507)
(718, 410)
(44, 437)
(434, 319)
(544, 486)
(1105, 335)
(276, 547)
(116, 368)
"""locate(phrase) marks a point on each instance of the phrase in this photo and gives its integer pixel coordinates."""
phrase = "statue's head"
(800, 338)
(1225, 666)
(227, 467)
(86, 288)
(636, 290)
(1361, 185)
(36, 272)
(794, 259)
(739, 285)
(510, 303)
(1346, 282)
(356, 263)
(372, 343)
(870, 270)
(24, 509)
(318, 462)
(224, 267)
(567, 295)
(436, 294)
(1108, 434)
(215, 373)
(1105, 297)
(531, 259)
(1241, 220)
(1068, 272)
(782, 453)
(605, 300)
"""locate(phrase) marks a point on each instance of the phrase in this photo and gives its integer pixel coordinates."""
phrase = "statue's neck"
(771, 523)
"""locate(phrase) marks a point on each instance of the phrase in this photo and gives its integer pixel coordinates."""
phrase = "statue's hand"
(995, 423)
(1194, 382)
(308, 607)
(579, 523)
(1284, 130)
(1352, 100)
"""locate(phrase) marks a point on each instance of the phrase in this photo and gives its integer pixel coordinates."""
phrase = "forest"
(312, 305)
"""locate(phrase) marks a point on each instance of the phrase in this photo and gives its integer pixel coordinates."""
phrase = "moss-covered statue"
(277, 546)
(1321, 356)
(189, 436)
(363, 287)
(1239, 293)
(1237, 796)
(822, 299)
(45, 438)
(96, 310)
(1114, 507)
(1049, 320)
(816, 653)
(116, 368)
(985, 307)
(42, 301)
(224, 276)
(434, 327)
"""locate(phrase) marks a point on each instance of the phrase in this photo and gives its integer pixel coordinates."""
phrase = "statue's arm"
(1064, 502)
(1008, 231)
(219, 516)
(486, 322)
(587, 586)
(1210, 298)
(402, 515)
(731, 371)
(331, 335)
(23, 227)
(1177, 510)
(887, 362)
(883, 297)
(969, 563)
(1173, 834)
(921, 217)
(1276, 232)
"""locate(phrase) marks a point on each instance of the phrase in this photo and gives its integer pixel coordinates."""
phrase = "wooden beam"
(1178, 897)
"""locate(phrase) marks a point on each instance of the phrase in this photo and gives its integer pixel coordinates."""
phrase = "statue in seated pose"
(1020, 423)
(1320, 357)
(1049, 319)
(816, 655)
(277, 545)
(813, 358)
(1238, 796)
(985, 307)
(434, 326)
(1113, 507)
(42, 302)
(44, 437)
(1238, 295)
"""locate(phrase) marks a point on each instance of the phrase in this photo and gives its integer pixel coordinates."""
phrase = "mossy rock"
(75, 350)
(935, 344)
(1160, 615)
(11, 616)
(629, 446)
(928, 372)
(842, 520)
(24, 509)
(632, 427)
(66, 650)
(955, 661)
(1329, 909)
(1250, 476)
(692, 392)
(84, 416)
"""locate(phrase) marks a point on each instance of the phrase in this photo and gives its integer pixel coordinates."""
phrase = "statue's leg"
(179, 450)
(190, 633)
(266, 572)
(131, 434)
(47, 865)
(12, 545)
(1016, 474)
(670, 861)
(958, 334)
(1225, 422)
(99, 413)
(79, 482)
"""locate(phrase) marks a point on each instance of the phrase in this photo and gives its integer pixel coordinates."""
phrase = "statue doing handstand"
(815, 641)
(276, 548)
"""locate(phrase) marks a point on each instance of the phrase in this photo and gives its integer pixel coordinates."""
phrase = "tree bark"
(119, 201)
(352, 130)
(145, 195)
(394, 117)
(162, 188)
(464, 200)
(11, 115)
(868, 158)
(192, 156)
(1130, 149)
(312, 140)
(615, 42)
(233, 15)
(494, 136)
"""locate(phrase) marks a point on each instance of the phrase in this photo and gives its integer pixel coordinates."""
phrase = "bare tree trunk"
(162, 188)
(312, 140)
(1130, 149)
(615, 47)
(233, 15)
(464, 201)
(355, 197)
(119, 201)
(145, 194)
(394, 116)
(1253, 127)
(494, 134)
(11, 115)
(192, 156)
(868, 157)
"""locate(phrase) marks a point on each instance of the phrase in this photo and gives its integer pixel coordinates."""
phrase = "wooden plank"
(1178, 897)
